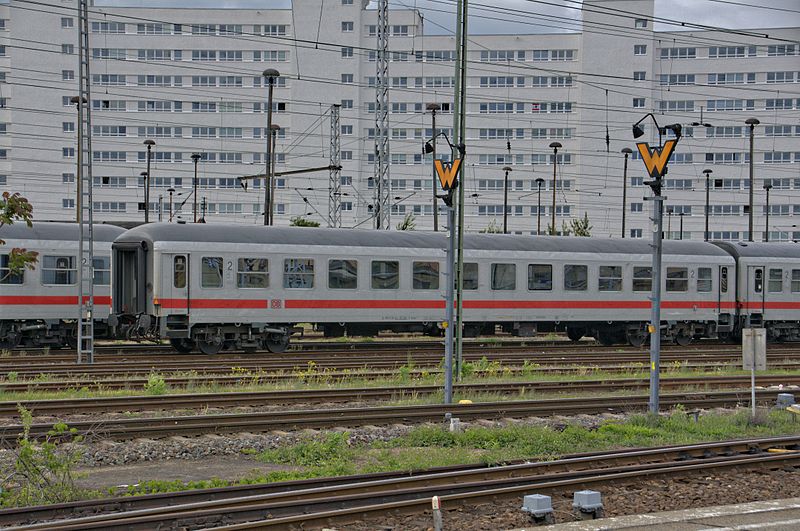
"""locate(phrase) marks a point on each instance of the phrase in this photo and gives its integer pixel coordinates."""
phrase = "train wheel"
(211, 346)
(606, 337)
(276, 343)
(637, 338)
(11, 340)
(683, 339)
(182, 345)
(575, 334)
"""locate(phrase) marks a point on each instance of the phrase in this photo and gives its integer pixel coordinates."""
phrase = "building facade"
(191, 81)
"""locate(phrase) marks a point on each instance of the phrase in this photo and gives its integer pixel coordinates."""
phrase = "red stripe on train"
(216, 304)
(49, 300)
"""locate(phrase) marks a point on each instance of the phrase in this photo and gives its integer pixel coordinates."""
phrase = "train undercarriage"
(39, 333)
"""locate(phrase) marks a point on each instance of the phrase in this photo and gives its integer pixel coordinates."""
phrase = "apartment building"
(191, 81)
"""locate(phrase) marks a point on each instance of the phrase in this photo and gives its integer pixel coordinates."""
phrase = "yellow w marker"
(655, 160)
(447, 172)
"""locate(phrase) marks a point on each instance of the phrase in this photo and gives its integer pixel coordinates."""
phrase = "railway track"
(195, 425)
(366, 394)
(326, 501)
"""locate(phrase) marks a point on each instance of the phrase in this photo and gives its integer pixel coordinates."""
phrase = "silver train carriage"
(767, 287)
(40, 307)
(215, 285)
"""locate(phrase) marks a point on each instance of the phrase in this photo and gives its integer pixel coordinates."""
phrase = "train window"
(795, 280)
(470, 273)
(59, 270)
(540, 277)
(342, 274)
(704, 281)
(252, 273)
(102, 270)
(610, 278)
(775, 284)
(723, 280)
(298, 273)
(677, 279)
(211, 272)
(6, 277)
(385, 274)
(576, 277)
(758, 284)
(179, 272)
(642, 279)
(504, 277)
(425, 275)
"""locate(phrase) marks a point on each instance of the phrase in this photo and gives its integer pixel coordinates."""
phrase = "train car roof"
(761, 250)
(57, 231)
(256, 234)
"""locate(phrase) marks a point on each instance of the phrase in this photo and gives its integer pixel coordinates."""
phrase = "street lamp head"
(675, 128)
(507, 169)
(196, 157)
(171, 190)
(704, 124)
(539, 182)
(707, 172)
(274, 127)
(149, 143)
(627, 151)
(555, 145)
(77, 99)
(433, 107)
(637, 131)
(428, 147)
(752, 122)
(767, 187)
(143, 174)
(271, 73)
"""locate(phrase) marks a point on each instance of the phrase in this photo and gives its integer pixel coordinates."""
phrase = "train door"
(175, 288)
(722, 287)
(755, 295)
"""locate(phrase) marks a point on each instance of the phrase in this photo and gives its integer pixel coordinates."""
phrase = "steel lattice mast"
(335, 183)
(382, 186)
(85, 206)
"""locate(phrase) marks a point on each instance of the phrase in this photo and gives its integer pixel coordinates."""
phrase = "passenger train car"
(39, 307)
(211, 286)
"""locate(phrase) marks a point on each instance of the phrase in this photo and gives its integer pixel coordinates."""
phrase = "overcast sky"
(542, 18)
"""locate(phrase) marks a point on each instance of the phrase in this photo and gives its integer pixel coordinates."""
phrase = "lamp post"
(707, 173)
(273, 128)
(78, 101)
(433, 107)
(767, 187)
(143, 175)
(505, 199)
(171, 191)
(669, 223)
(195, 158)
(555, 146)
(625, 151)
(160, 207)
(680, 215)
(539, 183)
(752, 122)
(149, 143)
(270, 74)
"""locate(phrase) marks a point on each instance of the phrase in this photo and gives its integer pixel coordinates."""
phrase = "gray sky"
(542, 18)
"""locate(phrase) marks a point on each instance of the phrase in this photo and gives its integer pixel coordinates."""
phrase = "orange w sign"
(447, 172)
(655, 160)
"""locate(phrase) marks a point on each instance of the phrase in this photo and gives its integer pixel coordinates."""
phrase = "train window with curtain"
(642, 279)
(610, 278)
(179, 272)
(385, 274)
(252, 273)
(704, 281)
(6, 276)
(775, 284)
(470, 274)
(540, 277)
(795, 280)
(298, 273)
(211, 272)
(342, 274)
(425, 275)
(723, 280)
(576, 277)
(504, 277)
(677, 279)
(59, 270)
(102, 270)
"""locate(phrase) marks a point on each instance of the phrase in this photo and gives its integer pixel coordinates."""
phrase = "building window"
(638, 103)
(67, 203)
(639, 49)
(640, 23)
(347, 51)
(67, 22)
(639, 76)
(68, 49)
(347, 104)
(68, 152)
(347, 26)
(68, 127)
(347, 129)
(67, 178)
(347, 2)
(347, 78)
(67, 75)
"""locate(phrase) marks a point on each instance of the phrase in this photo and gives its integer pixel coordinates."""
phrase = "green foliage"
(492, 228)
(14, 207)
(12, 376)
(156, 385)
(300, 221)
(329, 455)
(409, 222)
(43, 470)
(581, 227)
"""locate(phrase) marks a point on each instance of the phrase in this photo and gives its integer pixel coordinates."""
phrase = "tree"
(492, 228)
(581, 227)
(13, 208)
(565, 230)
(300, 221)
(408, 223)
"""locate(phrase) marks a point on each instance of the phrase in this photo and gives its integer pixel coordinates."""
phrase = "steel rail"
(316, 396)
(194, 425)
(281, 501)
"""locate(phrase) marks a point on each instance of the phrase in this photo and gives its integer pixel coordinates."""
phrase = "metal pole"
(460, 131)
(171, 191)
(149, 143)
(555, 146)
(433, 107)
(539, 183)
(681, 216)
(204, 210)
(270, 74)
(505, 199)
(708, 205)
(655, 317)
(160, 207)
(449, 317)
(626, 151)
(767, 187)
(752, 122)
(195, 158)
(274, 132)
(77, 100)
